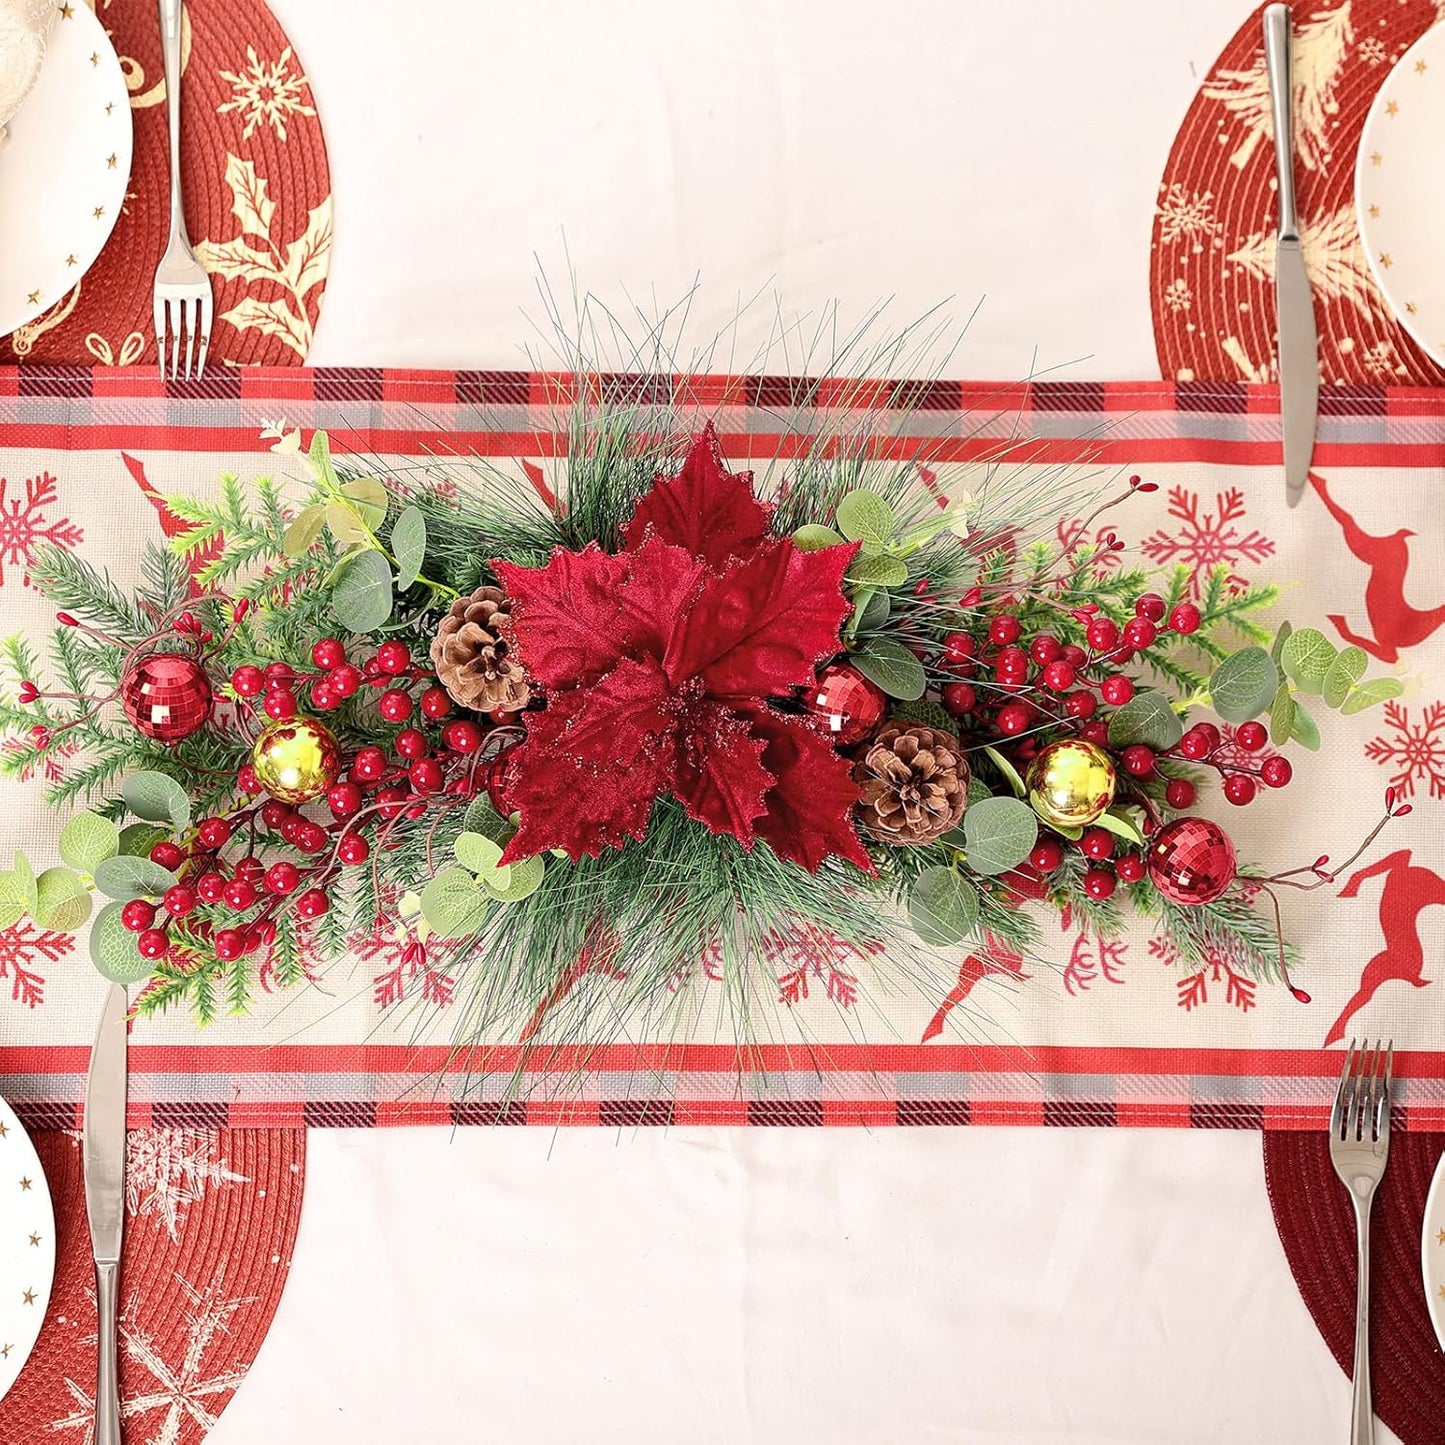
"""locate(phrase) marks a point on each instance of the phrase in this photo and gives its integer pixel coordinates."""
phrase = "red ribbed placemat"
(210, 1224)
(257, 192)
(1316, 1224)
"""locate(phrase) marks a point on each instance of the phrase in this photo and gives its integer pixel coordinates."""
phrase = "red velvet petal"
(708, 511)
(720, 780)
(810, 810)
(763, 626)
(658, 598)
(594, 760)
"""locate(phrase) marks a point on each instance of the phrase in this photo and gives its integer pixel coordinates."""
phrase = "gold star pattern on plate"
(5, 1352)
(109, 106)
(72, 259)
(4, 1127)
(25, 1186)
(1440, 1238)
(1420, 67)
(1385, 260)
(1410, 308)
(95, 57)
(98, 212)
(111, 161)
(1375, 158)
(66, 11)
(29, 1296)
(33, 299)
(35, 1241)
(1374, 212)
(1392, 107)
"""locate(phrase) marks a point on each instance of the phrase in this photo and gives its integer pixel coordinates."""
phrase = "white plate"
(1432, 1252)
(27, 1247)
(1400, 191)
(64, 172)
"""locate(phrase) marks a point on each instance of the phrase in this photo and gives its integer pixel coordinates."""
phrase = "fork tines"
(1362, 1102)
(186, 312)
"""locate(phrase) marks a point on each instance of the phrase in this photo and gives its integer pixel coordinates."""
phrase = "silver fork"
(183, 288)
(1359, 1150)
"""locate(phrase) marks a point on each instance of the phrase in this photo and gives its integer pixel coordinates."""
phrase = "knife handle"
(1281, 96)
(107, 1386)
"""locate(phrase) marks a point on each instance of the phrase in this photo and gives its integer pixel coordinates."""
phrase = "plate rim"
(1433, 37)
(1434, 1216)
(48, 1250)
(111, 62)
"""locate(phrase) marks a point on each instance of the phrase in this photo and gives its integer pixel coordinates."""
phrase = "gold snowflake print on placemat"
(265, 92)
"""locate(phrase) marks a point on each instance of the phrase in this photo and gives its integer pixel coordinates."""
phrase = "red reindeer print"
(998, 958)
(1395, 623)
(171, 525)
(1409, 890)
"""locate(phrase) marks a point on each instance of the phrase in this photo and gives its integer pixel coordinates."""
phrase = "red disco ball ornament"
(167, 696)
(1191, 861)
(848, 704)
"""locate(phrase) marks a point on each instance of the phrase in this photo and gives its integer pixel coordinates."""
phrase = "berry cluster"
(1204, 743)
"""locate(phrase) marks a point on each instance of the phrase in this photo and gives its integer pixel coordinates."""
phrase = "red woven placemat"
(1316, 1225)
(257, 195)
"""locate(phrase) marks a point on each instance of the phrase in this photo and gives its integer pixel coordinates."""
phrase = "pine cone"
(915, 784)
(473, 660)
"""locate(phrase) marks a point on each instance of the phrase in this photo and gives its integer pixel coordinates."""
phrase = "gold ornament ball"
(296, 759)
(1071, 784)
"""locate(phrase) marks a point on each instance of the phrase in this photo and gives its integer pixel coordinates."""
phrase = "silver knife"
(105, 1089)
(1299, 362)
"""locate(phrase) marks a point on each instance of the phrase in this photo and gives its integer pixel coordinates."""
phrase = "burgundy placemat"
(1316, 1225)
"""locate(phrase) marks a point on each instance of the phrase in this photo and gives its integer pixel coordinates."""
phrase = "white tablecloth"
(769, 1286)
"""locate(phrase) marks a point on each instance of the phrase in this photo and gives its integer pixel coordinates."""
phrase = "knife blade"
(104, 1152)
(1299, 364)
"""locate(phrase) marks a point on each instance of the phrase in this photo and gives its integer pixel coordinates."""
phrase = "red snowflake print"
(1091, 960)
(1194, 988)
(1414, 750)
(49, 765)
(21, 947)
(24, 525)
(1073, 533)
(811, 952)
(1204, 540)
(1231, 755)
(405, 959)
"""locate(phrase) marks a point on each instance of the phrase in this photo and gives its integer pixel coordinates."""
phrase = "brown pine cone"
(915, 784)
(472, 658)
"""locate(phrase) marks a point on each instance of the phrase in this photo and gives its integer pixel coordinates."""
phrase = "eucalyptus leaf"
(1121, 825)
(305, 528)
(481, 817)
(1001, 833)
(514, 883)
(477, 852)
(929, 713)
(813, 538)
(892, 667)
(125, 878)
(341, 564)
(1281, 716)
(345, 523)
(88, 839)
(1370, 694)
(408, 546)
(113, 948)
(1010, 773)
(62, 901)
(879, 570)
(319, 455)
(864, 516)
(978, 790)
(369, 497)
(1306, 658)
(1244, 684)
(362, 597)
(1345, 671)
(157, 798)
(1146, 718)
(1280, 638)
(453, 905)
(875, 610)
(942, 907)
(1305, 732)
(137, 839)
(19, 883)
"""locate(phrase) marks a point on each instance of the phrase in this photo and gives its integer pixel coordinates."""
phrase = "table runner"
(1113, 1035)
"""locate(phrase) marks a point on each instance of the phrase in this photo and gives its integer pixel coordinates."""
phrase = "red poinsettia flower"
(658, 662)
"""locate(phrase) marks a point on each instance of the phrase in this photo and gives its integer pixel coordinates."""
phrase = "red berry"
(1140, 633)
(328, 653)
(1209, 733)
(1044, 649)
(462, 736)
(391, 800)
(1150, 606)
(1185, 618)
(240, 894)
(279, 705)
(152, 943)
(1194, 745)
(395, 705)
(1130, 867)
(229, 943)
(1099, 884)
(435, 703)
(343, 799)
(168, 856)
(1179, 793)
(247, 681)
(276, 814)
(247, 780)
(210, 886)
(1004, 629)
(280, 674)
(1276, 772)
(1081, 704)
(369, 764)
(959, 698)
(1117, 690)
(311, 837)
(179, 901)
(324, 697)
(353, 849)
(426, 775)
(313, 903)
(410, 743)
(1103, 634)
(1138, 760)
(1059, 676)
(1239, 789)
(138, 914)
(1096, 733)
(958, 649)
(345, 680)
(1048, 853)
(1097, 843)
(282, 877)
(250, 868)
(1013, 718)
(393, 657)
(1075, 656)
(214, 833)
(1251, 736)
